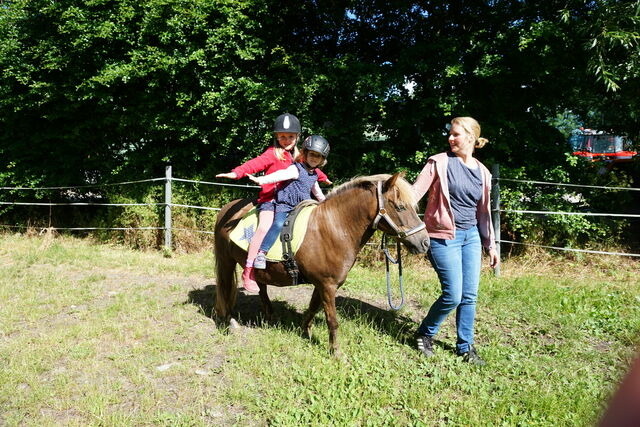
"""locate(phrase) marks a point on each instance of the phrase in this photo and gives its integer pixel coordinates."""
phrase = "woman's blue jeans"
(273, 233)
(457, 263)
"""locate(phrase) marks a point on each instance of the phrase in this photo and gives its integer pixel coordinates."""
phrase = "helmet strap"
(307, 167)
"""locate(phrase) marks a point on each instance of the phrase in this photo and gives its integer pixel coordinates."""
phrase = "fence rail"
(564, 184)
(496, 210)
(589, 251)
(169, 205)
(570, 213)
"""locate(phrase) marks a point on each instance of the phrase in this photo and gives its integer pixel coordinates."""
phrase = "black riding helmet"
(287, 123)
(318, 144)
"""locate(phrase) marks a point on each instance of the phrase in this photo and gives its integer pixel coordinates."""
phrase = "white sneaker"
(260, 262)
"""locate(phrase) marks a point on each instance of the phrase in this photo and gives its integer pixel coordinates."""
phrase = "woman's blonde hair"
(472, 127)
(302, 156)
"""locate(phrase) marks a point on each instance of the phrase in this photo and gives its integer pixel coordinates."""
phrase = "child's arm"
(322, 177)
(317, 192)
(282, 175)
(231, 175)
(254, 165)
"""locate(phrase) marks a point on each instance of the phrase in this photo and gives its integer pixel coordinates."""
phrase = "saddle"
(291, 236)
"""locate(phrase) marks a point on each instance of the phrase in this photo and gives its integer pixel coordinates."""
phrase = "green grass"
(104, 335)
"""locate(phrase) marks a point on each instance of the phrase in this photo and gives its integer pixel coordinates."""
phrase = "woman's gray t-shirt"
(465, 191)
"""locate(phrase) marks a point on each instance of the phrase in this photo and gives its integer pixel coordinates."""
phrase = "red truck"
(596, 146)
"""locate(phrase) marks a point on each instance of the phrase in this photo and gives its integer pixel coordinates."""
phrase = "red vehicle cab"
(600, 146)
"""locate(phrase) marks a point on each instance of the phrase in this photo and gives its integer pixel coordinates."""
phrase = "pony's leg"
(314, 307)
(267, 308)
(329, 304)
(226, 287)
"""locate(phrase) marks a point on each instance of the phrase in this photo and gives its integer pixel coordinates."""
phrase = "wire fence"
(169, 206)
(497, 210)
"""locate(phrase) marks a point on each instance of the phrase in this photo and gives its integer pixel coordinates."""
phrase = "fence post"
(495, 211)
(167, 208)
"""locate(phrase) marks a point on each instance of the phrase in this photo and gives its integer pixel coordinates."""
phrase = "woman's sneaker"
(425, 344)
(260, 262)
(472, 357)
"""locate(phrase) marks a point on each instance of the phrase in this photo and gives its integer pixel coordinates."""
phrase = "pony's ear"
(392, 181)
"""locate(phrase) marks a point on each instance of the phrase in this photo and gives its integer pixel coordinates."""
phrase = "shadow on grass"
(388, 322)
(248, 312)
(393, 323)
(248, 308)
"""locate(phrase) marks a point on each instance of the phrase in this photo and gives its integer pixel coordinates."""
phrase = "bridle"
(382, 213)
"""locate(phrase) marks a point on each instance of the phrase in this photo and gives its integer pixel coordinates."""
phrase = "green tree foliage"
(104, 90)
(95, 88)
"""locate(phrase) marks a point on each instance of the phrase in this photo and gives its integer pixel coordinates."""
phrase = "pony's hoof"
(233, 324)
(335, 352)
(338, 355)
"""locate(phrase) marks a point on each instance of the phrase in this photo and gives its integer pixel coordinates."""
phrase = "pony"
(338, 229)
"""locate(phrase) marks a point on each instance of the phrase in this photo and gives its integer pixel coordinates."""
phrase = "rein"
(382, 213)
(387, 259)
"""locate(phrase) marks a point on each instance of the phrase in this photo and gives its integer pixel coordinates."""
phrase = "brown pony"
(338, 229)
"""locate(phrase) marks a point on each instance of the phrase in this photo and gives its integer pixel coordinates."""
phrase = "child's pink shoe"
(248, 281)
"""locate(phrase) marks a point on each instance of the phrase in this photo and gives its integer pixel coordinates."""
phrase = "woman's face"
(460, 141)
(287, 140)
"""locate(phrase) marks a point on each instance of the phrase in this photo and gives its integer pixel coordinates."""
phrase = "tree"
(119, 87)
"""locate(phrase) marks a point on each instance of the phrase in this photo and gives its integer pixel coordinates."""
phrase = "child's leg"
(274, 231)
(265, 219)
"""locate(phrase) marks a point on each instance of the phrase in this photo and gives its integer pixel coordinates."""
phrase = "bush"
(143, 224)
(564, 230)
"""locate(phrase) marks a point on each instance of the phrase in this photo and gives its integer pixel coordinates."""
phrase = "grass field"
(103, 335)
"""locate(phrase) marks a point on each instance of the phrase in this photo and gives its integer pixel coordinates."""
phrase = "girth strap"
(286, 236)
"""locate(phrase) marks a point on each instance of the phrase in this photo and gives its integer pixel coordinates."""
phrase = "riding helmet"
(287, 123)
(316, 143)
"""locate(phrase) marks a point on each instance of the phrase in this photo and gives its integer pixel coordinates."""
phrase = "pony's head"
(396, 208)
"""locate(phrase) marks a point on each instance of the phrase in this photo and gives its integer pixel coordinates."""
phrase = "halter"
(382, 213)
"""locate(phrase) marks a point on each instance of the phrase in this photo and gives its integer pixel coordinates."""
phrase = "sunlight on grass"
(103, 335)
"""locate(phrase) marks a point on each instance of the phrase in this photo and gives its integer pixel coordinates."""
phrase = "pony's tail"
(226, 286)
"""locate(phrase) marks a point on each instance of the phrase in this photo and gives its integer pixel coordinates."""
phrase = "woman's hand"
(231, 175)
(494, 259)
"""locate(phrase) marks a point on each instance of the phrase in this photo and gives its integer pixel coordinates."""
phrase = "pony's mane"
(405, 190)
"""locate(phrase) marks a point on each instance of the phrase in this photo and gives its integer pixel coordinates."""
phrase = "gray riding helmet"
(287, 123)
(318, 144)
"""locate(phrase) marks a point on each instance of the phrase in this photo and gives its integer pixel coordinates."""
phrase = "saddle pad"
(243, 232)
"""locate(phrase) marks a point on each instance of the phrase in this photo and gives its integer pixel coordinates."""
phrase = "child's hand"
(255, 179)
(231, 175)
(328, 182)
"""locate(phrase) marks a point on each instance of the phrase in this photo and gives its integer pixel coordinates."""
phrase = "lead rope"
(388, 258)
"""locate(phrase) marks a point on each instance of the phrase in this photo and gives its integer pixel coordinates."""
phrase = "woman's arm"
(425, 179)
(485, 225)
